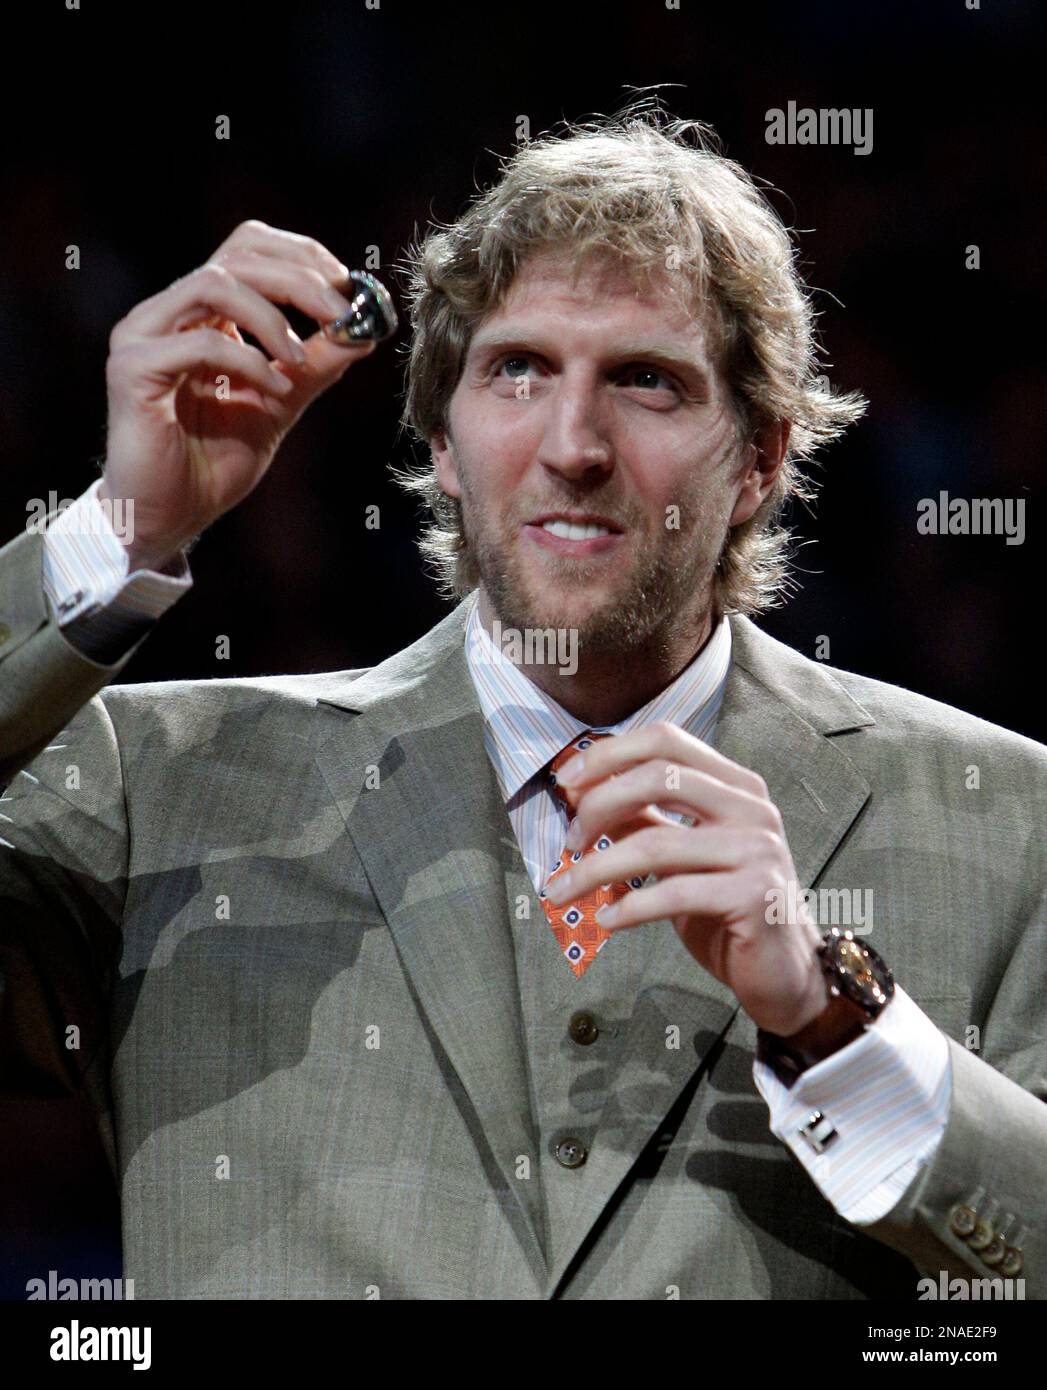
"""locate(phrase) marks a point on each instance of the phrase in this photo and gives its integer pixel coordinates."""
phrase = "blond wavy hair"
(634, 188)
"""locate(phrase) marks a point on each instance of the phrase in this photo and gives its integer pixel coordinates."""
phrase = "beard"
(665, 587)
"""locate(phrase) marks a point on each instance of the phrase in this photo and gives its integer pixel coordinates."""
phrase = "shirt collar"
(524, 727)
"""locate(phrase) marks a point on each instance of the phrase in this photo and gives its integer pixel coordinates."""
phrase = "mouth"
(574, 533)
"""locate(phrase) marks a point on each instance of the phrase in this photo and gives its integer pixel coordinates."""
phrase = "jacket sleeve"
(44, 678)
(977, 1210)
(63, 842)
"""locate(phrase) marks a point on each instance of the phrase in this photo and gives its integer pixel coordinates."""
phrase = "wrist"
(161, 562)
(837, 1024)
(859, 986)
(141, 554)
(819, 997)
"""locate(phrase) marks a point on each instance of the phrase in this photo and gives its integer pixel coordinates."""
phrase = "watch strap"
(841, 1022)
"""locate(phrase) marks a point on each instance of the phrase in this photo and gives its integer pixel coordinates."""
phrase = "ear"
(767, 452)
(442, 449)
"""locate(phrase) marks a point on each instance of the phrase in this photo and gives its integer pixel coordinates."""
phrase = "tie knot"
(577, 745)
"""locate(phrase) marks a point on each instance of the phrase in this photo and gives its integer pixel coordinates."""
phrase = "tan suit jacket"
(278, 914)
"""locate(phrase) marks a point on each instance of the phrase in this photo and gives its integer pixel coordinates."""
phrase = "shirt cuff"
(85, 569)
(886, 1095)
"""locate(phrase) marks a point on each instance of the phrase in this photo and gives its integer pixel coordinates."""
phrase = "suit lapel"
(777, 712)
(429, 839)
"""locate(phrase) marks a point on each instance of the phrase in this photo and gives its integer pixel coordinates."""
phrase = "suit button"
(5, 633)
(1011, 1264)
(582, 1027)
(983, 1235)
(962, 1220)
(572, 1153)
(994, 1251)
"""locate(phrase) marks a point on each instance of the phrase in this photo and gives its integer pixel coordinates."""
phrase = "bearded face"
(597, 459)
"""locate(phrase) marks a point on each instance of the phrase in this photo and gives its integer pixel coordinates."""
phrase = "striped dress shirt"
(524, 729)
(887, 1093)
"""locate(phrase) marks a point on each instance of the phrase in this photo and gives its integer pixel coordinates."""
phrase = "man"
(376, 993)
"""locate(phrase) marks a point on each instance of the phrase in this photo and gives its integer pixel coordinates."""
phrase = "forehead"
(603, 291)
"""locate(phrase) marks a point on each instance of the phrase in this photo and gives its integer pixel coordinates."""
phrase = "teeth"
(572, 532)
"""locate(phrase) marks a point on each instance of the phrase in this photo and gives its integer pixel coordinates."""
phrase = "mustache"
(615, 512)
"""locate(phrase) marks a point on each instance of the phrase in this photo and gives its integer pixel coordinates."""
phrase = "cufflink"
(819, 1132)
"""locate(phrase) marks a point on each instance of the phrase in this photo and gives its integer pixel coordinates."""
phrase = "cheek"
(499, 461)
(668, 472)
(706, 468)
(487, 489)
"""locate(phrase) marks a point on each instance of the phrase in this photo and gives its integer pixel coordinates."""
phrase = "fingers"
(291, 269)
(285, 283)
(224, 325)
(215, 289)
(659, 740)
(711, 895)
(609, 803)
(254, 269)
(660, 850)
(259, 237)
(163, 358)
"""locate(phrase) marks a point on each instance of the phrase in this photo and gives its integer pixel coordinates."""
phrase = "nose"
(573, 439)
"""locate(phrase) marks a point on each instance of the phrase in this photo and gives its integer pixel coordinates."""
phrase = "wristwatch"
(860, 988)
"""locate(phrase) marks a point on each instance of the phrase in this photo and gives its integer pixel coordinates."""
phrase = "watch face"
(859, 972)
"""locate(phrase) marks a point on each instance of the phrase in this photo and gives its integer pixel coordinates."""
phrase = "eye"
(639, 369)
(514, 359)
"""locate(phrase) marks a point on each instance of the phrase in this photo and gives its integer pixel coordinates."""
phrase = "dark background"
(357, 127)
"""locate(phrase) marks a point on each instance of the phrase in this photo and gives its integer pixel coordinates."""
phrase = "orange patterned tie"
(574, 923)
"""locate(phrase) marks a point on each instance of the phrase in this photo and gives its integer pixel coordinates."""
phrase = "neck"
(602, 688)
